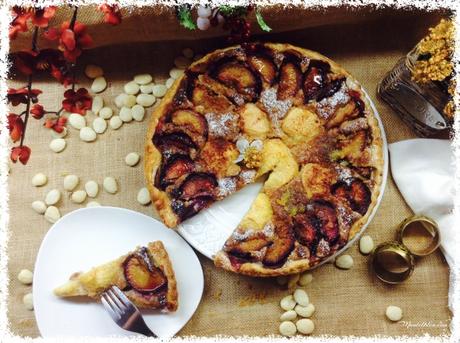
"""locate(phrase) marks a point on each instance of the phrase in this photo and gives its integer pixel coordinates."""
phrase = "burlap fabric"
(347, 302)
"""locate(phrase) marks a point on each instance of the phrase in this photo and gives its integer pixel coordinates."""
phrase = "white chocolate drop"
(39, 180)
(77, 121)
(92, 71)
(52, 214)
(70, 182)
(110, 185)
(143, 197)
(87, 134)
(99, 84)
(53, 197)
(57, 145)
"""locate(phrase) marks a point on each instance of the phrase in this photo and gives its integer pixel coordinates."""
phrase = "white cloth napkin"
(424, 172)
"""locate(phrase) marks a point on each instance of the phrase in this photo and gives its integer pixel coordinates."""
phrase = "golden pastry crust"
(95, 281)
(152, 162)
(348, 126)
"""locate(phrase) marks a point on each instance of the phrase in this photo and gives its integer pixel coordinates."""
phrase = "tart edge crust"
(162, 203)
(152, 161)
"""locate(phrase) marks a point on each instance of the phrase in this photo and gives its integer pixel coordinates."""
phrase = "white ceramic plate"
(209, 229)
(90, 236)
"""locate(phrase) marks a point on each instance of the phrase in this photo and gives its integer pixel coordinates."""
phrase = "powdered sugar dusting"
(323, 249)
(241, 236)
(276, 109)
(354, 125)
(239, 100)
(344, 217)
(226, 186)
(247, 176)
(344, 175)
(222, 125)
(326, 107)
(269, 230)
(259, 255)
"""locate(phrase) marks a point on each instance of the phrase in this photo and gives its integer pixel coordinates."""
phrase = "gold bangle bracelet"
(393, 262)
(420, 235)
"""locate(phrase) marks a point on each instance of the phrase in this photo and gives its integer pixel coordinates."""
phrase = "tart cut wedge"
(144, 275)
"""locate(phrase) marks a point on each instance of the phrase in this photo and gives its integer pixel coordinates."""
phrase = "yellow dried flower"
(449, 109)
(452, 86)
(252, 158)
(437, 47)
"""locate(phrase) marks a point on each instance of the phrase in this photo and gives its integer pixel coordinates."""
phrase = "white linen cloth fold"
(424, 172)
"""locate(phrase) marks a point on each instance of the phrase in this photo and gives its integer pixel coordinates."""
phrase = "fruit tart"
(145, 276)
(280, 113)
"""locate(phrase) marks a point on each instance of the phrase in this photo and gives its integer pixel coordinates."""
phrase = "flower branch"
(72, 38)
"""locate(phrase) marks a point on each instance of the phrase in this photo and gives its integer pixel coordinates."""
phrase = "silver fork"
(124, 312)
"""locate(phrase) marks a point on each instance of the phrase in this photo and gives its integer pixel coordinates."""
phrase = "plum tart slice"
(145, 276)
(276, 111)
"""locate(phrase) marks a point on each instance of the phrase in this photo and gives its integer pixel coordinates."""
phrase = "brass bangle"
(420, 235)
(392, 262)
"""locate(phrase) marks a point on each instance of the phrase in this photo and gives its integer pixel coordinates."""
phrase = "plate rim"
(126, 210)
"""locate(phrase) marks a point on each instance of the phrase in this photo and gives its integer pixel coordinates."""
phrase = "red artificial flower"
(16, 126)
(77, 102)
(24, 61)
(37, 111)
(19, 23)
(21, 153)
(42, 16)
(56, 124)
(21, 95)
(112, 14)
(29, 62)
(62, 74)
(71, 42)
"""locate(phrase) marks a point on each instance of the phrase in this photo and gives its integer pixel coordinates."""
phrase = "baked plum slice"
(175, 167)
(332, 87)
(356, 194)
(244, 249)
(327, 219)
(315, 79)
(209, 100)
(264, 66)
(239, 77)
(290, 80)
(361, 196)
(305, 229)
(141, 275)
(187, 209)
(278, 252)
(198, 185)
(191, 120)
(174, 143)
(319, 221)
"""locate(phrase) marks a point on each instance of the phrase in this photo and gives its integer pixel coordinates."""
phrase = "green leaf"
(260, 20)
(233, 11)
(185, 18)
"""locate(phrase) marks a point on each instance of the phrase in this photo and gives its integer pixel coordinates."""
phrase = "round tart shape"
(273, 111)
